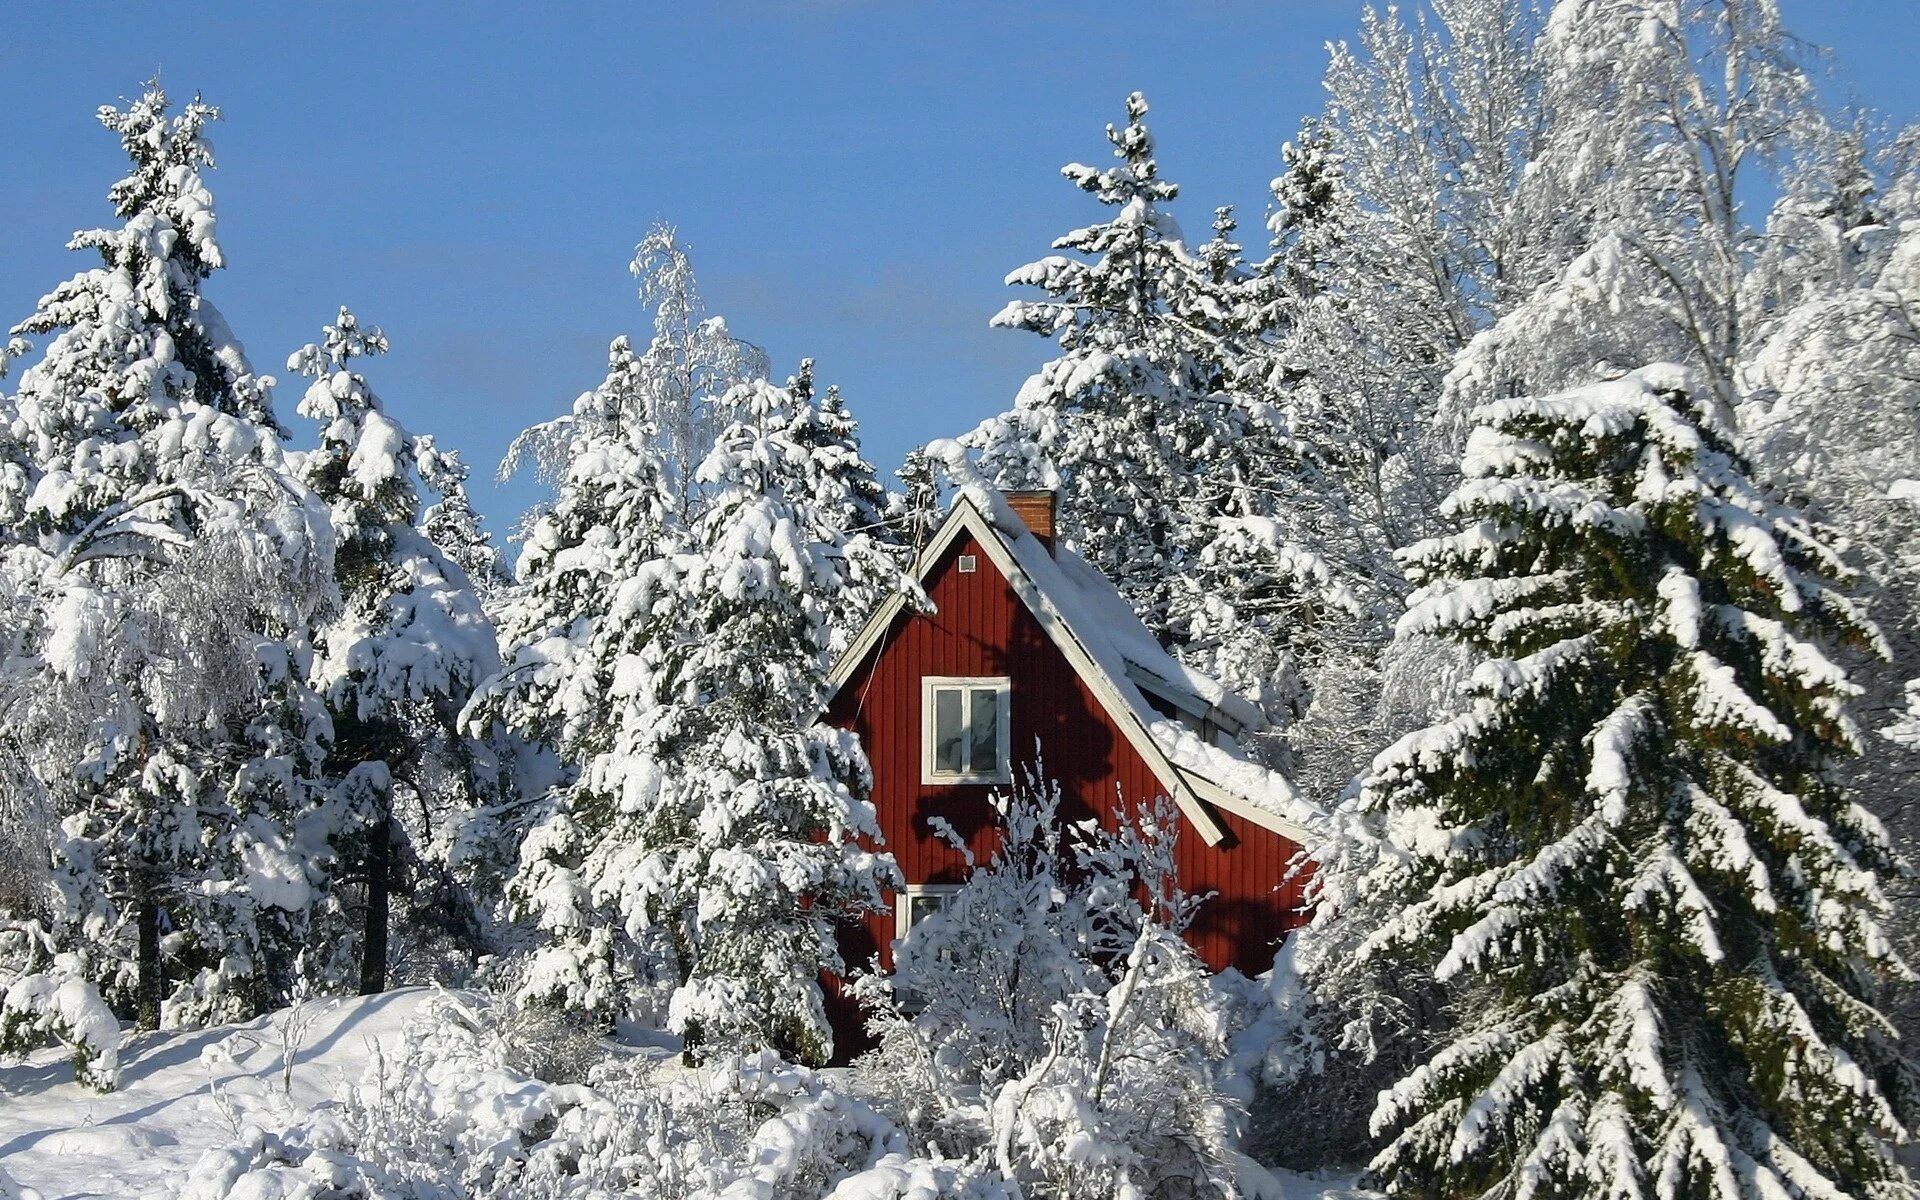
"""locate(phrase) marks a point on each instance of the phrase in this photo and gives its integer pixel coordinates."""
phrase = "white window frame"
(1003, 687)
(903, 904)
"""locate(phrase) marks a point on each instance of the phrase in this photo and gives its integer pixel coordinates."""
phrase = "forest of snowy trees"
(1543, 465)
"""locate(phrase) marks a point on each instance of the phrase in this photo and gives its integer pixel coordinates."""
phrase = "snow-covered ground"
(188, 1092)
(180, 1094)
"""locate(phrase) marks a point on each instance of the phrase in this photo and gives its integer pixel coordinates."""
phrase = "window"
(966, 735)
(918, 902)
(968, 564)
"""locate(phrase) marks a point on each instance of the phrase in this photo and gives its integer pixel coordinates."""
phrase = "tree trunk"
(147, 981)
(373, 933)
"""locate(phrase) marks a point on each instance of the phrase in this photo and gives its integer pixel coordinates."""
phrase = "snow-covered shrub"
(1051, 1022)
(545, 1041)
(449, 1115)
(54, 999)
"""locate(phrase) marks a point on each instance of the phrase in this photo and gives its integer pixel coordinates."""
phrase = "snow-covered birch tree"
(1663, 111)
(690, 364)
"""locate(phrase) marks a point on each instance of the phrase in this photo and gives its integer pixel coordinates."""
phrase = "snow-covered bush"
(543, 1040)
(54, 998)
(1051, 1022)
(448, 1114)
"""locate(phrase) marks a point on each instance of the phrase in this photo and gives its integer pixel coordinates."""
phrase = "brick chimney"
(1036, 511)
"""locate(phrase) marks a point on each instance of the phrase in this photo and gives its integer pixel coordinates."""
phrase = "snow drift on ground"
(180, 1094)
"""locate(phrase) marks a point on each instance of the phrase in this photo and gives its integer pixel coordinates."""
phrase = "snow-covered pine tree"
(611, 524)
(719, 816)
(613, 514)
(851, 495)
(914, 510)
(1629, 851)
(165, 564)
(396, 662)
(1312, 216)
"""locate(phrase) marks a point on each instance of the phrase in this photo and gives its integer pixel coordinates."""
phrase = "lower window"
(918, 902)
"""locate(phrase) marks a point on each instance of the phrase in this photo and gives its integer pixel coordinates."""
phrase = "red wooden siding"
(982, 628)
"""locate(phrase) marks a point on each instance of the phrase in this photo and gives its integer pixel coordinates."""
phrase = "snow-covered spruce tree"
(719, 815)
(611, 524)
(1125, 419)
(453, 524)
(164, 563)
(1629, 852)
(395, 663)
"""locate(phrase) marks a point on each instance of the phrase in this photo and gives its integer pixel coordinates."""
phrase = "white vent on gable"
(969, 564)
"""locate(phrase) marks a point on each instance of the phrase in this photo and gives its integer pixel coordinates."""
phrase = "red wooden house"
(1029, 650)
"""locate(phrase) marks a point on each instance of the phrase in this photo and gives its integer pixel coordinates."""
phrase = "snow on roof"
(1111, 615)
(1105, 625)
(1090, 602)
(1228, 768)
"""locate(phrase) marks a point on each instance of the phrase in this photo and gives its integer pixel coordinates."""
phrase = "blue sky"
(854, 178)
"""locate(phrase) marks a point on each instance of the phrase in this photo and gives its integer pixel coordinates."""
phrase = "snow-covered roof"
(1121, 662)
(1091, 603)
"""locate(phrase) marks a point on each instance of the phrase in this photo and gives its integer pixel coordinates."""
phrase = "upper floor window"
(967, 735)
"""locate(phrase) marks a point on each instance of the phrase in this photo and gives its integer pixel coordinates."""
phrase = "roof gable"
(1075, 607)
